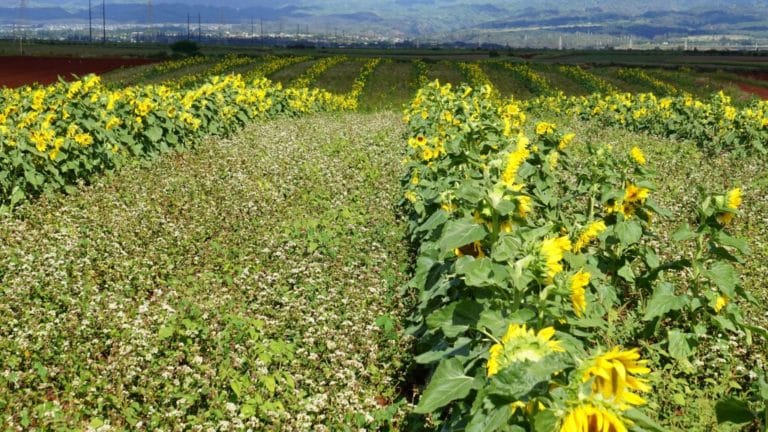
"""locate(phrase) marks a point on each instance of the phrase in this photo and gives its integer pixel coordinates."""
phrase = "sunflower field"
(715, 125)
(348, 241)
(527, 257)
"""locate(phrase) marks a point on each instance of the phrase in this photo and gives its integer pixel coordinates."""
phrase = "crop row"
(638, 76)
(526, 256)
(310, 76)
(227, 64)
(53, 137)
(271, 64)
(353, 96)
(475, 76)
(590, 81)
(714, 125)
(535, 83)
(173, 65)
(422, 71)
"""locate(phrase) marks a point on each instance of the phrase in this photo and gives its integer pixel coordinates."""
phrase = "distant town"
(283, 34)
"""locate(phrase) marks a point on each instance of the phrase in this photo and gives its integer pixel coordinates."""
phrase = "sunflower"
(634, 194)
(591, 418)
(579, 281)
(524, 205)
(732, 203)
(733, 198)
(614, 376)
(720, 303)
(544, 128)
(565, 141)
(590, 233)
(519, 344)
(552, 251)
(515, 160)
(637, 155)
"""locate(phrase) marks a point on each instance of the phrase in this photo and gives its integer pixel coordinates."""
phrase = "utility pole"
(22, 17)
(261, 25)
(103, 21)
(189, 33)
(90, 22)
(149, 21)
(221, 24)
(199, 29)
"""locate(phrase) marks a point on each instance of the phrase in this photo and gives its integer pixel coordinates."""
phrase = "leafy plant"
(525, 257)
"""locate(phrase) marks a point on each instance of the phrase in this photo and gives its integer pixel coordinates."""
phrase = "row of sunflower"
(310, 76)
(535, 83)
(174, 65)
(526, 257)
(590, 81)
(227, 64)
(353, 96)
(54, 137)
(422, 73)
(475, 75)
(271, 64)
(171, 66)
(715, 124)
(638, 76)
(345, 101)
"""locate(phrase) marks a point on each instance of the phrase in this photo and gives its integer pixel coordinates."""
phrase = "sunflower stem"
(697, 264)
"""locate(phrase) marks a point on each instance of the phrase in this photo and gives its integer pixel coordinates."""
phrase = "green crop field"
(385, 240)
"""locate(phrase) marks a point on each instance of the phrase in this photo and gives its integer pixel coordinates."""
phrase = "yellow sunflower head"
(731, 202)
(634, 193)
(520, 344)
(637, 155)
(591, 418)
(578, 284)
(552, 250)
(614, 376)
(733, 198)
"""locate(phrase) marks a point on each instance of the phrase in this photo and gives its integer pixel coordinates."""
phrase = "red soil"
(762, 76)
(761, 92)
(18, 71)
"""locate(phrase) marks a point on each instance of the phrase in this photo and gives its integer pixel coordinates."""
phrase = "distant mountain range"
(438, 18)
